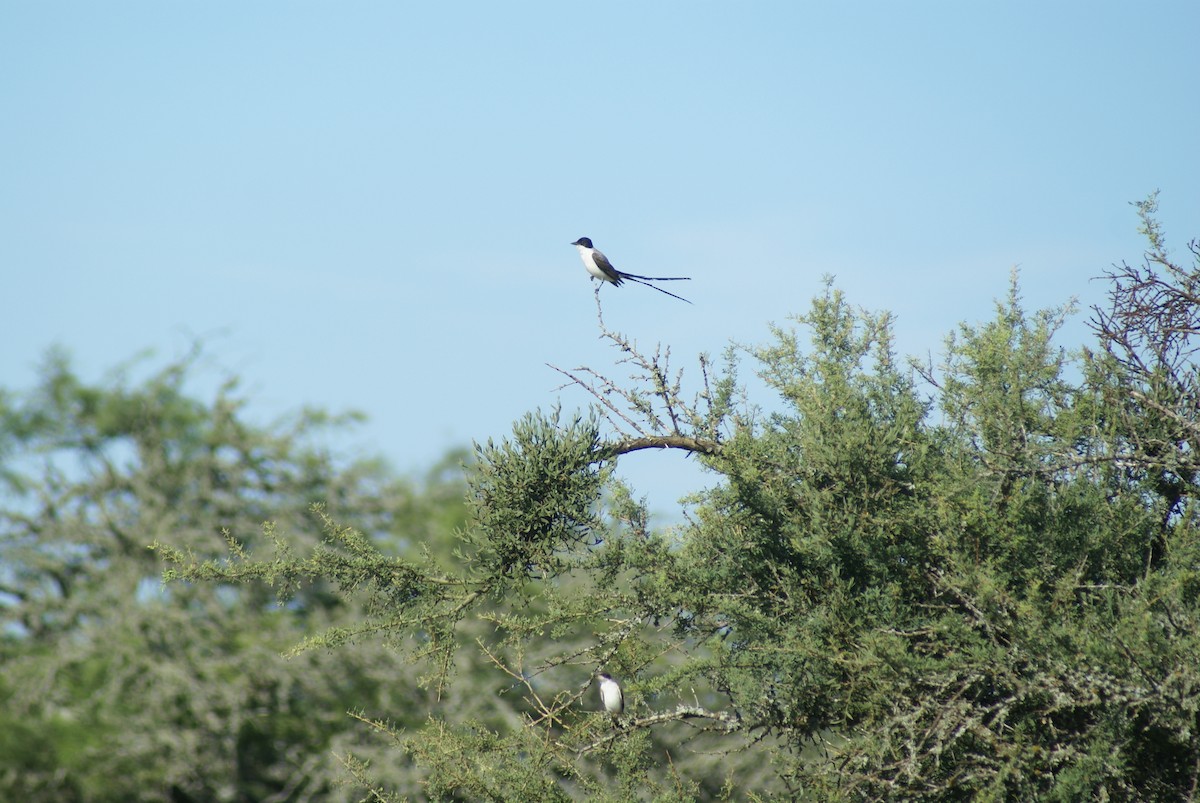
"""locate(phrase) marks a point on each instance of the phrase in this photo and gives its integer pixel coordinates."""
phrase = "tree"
(1146, 371)
(116, 689)
(989, 593)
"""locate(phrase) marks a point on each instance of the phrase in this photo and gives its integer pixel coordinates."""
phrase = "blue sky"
(369, 205)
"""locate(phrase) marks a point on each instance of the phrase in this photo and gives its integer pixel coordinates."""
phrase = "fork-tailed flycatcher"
(610, 695)
(598, 265)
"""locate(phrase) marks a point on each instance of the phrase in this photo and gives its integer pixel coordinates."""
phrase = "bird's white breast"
(589, 262)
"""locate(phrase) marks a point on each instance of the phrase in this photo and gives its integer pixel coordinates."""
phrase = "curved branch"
(721, 722)
(660, 442)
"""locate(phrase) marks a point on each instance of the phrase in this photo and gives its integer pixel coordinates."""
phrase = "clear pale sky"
(369, 205)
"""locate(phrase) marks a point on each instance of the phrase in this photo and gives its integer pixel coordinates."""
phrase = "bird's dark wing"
(606, 267)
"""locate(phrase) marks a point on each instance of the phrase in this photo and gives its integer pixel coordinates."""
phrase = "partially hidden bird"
(610, 695)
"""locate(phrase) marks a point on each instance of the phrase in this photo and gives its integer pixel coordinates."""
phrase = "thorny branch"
(659, 420)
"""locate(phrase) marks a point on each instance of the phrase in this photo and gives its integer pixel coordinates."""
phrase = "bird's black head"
(584, 241)
(602, 675)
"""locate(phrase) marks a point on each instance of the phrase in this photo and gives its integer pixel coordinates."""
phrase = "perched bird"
(598, 265)
(610, 695)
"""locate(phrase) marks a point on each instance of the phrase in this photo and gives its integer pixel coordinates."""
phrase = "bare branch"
(602, 397)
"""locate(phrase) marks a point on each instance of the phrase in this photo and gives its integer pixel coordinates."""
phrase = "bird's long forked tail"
(633, 277)
(625, 275)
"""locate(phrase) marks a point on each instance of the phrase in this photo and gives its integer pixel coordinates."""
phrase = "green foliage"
(534, 497)
(115, 688)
